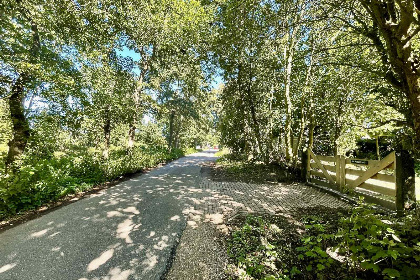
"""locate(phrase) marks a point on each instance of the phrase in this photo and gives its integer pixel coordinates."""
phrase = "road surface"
(129, 231)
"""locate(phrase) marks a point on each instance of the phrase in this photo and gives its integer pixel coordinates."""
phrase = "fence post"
(404, 180)
(305, 165)
(343, 173)
(340, 172)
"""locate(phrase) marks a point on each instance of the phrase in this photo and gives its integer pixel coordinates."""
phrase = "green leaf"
(394, 254)
(390, 272)
(320, 266)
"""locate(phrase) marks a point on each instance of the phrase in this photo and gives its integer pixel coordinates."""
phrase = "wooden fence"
(388, 182)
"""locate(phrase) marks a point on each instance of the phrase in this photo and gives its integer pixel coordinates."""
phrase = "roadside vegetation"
(234, 167)
(323, 243)
(46, 178)
(86, 96)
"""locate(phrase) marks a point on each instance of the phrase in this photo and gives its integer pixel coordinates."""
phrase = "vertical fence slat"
(338, 171)
(340, 165)
(343, 172)
(321, 166)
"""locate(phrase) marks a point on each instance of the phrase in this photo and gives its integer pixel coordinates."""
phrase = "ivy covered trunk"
(20, 124)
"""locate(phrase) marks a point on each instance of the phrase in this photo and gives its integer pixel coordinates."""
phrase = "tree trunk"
(176, 138)
(289, 52)
(302, 106)
(255, 125)
(396, 51)
(134, 120)
(31, 102)
(131, 136)
(171, 129)
(107, 134)
(20, 124)
(137, 101)
(338, 125)
(242, 107)
(311, 138)
(133, 123)
(288, 104)
(311, 133)
(296, 148)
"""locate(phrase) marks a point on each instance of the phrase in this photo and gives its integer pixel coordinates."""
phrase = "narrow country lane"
(126, 232)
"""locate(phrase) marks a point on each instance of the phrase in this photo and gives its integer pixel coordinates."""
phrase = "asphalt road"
(129, 231)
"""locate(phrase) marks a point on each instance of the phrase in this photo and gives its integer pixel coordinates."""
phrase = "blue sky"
(130, 53)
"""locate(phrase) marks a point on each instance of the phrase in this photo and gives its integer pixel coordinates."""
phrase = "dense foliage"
(361, 244)
(42, 179)
(234, 167)
(320, 73)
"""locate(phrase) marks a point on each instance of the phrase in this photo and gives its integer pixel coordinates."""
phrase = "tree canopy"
(96, 85)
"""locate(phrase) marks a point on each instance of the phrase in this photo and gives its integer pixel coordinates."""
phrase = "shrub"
(386, 245)
(259, 251)
(367, 244)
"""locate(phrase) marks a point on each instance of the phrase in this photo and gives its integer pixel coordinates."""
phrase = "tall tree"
(38, 45)
(392, 28)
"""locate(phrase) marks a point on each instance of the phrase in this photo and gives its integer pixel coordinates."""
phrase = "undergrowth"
(235, 167)
(361, 244)
(44, 178)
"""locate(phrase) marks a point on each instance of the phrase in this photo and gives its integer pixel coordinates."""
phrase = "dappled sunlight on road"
(7, 267)
(41, 232)
(103, 258)
(125, 232)
(131, 230)
(124, 229)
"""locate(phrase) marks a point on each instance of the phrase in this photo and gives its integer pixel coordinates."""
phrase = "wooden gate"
(374, 179)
